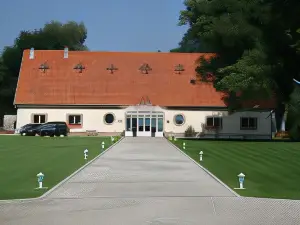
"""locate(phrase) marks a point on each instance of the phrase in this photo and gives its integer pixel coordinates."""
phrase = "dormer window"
(79, 67)
(145, 68)
(43, 67)
(193, 81)
(179, 68)
(112, 68)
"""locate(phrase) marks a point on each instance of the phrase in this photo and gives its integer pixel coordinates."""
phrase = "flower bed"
(7, 132)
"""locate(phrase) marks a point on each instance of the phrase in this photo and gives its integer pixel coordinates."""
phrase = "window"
(214, 122)
(47, 126)
(160, 125)
(39, 118)
(248, 123)
(109, 118)
(75, 119)
(128, 123)
(147, 124)
(179, 119)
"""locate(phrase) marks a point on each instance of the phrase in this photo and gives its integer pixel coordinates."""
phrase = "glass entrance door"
(141, 123)
(144, 124)
(147, 124)
(153, 126)
(134, 126)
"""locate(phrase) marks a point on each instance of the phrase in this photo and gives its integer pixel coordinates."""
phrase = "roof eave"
(14, 102)
(69, 105)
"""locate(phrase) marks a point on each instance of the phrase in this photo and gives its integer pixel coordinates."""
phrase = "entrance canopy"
(143, 108)
(144, 120)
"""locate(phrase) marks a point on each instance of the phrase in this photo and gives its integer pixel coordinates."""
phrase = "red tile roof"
(61, 84)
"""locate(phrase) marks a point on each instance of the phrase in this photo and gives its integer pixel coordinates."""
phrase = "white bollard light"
(241, 177)
(85, 152)
(103, 145)
(40, 178)
(201, 153)
(112, 139)
(175, 139)
(183, 145)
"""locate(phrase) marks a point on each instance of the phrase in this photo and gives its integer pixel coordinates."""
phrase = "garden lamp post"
(40, 178)
(85, 152)
(201, 154)
(241, 177)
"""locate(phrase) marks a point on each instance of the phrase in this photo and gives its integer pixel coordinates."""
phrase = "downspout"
(280, 117)
(284, 117)
(271, 118)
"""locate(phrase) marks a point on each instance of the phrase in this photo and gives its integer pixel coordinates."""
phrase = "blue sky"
(113, 25)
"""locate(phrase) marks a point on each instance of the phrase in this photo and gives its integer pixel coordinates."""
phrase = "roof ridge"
(122, 52)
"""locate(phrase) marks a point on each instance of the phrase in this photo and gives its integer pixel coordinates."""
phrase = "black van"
(50, 129)
(23, 130)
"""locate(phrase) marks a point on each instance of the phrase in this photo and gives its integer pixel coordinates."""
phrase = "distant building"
(143, 94)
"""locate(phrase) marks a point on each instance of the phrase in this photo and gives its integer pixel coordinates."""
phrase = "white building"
(143, 94)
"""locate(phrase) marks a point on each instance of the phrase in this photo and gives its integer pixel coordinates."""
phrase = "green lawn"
(272, 169)
(21, 158)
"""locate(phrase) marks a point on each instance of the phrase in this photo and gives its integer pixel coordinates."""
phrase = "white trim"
(104, 118)
(174, 119)
(248, 127)
(39, 118)
(74, 115)
(214, 117)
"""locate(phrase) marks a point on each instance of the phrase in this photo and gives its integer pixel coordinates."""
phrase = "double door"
(144, 125)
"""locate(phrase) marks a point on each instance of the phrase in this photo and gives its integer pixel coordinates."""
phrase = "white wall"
(93, 119)
(231, 123)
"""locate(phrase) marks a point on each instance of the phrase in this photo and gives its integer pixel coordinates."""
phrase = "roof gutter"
(31, 104)
(70, 106)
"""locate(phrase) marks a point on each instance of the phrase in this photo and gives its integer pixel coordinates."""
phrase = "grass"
(21, 158)
(272, 169)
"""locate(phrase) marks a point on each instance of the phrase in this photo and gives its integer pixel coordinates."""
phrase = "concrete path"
(144, 181)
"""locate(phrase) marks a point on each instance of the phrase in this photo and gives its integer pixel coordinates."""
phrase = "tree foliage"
(188, 44)
(53, 36)
(255, 43)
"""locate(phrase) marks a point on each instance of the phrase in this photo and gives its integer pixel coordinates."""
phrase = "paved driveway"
(144, 181)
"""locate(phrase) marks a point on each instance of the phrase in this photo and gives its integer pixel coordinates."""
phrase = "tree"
(188, 44)
(254, 59)
(53, 36)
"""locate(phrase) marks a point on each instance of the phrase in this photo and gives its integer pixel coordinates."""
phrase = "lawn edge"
(63, 181)
(207, 171)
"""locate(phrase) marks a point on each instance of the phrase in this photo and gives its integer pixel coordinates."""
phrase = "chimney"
(31, 54)
(66, 52)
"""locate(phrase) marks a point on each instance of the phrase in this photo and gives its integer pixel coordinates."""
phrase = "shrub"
(123, 133)
(118, 138)
(190, 132)
(282, 134)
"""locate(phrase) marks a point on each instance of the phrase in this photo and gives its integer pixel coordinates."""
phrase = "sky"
(113, 25)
